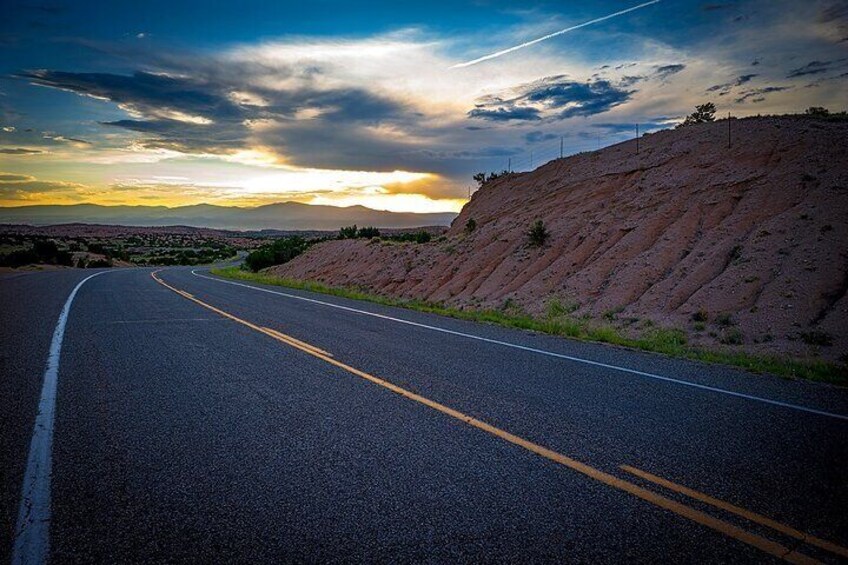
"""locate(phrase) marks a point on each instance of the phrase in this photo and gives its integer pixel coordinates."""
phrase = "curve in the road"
(32, 534)
(770, 547)
(540, 351)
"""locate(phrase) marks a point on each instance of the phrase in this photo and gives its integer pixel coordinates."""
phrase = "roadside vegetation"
(560, 320)
(21, 248)
(370, 232)
(277, 252)
(17, 253)
(284, 249)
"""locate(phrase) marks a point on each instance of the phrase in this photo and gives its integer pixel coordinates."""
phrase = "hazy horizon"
(233, 206)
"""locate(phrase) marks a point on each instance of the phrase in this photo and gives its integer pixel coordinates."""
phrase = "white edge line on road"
(539, 351)
(32, 533)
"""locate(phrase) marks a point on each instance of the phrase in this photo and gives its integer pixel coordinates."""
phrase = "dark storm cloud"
(25, 187)
(73, 140)
(62, 139)
(19, 151)
(630, 80)
(588, 98)
(152, 126)
(350, 105)
(559, 97)
(816, 68)
(505, 113)
(555, 97)
(820, 81)
(725, 88)
(811, 68)
(175, 135)
(212, 111)
(660, 72)
(145, 93)
(666, 71)
(35, 140)
(31, 185)
(320, 143)
(834, 17)
(759, 94)
(9, 177)
(486, 152)
(210, 95)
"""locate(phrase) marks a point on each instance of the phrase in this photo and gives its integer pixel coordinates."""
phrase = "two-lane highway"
(202, 420)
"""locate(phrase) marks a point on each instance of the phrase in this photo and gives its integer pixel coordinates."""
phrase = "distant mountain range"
(281, 216)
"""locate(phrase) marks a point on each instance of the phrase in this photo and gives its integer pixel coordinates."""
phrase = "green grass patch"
(559, 321)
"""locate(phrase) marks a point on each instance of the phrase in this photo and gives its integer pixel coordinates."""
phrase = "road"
(197, 420)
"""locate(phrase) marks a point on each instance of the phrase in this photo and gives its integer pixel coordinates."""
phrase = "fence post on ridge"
(728, 130)
(637, 139)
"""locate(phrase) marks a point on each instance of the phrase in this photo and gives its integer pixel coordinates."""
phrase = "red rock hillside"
(758, 231)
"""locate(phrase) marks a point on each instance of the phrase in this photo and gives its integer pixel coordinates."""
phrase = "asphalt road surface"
(197, 420)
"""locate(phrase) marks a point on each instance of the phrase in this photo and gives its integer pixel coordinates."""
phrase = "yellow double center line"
(733, 509)
(726, 528)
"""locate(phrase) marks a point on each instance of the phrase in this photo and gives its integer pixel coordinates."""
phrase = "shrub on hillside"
(700, 316)
(817, 112)
(825, 114)
(482, 178)
(538, 234)
(732, 336)
(98, 263)
(470, 225)
(817, 337)
(725, 319)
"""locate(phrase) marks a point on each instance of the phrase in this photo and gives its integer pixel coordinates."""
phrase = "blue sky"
(355, 103)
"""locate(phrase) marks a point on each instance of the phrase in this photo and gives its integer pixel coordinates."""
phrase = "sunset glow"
(392, 117)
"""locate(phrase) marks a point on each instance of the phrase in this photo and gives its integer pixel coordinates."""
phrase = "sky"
(343, 103)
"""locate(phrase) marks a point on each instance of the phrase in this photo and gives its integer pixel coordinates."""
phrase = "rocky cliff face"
(753, 237)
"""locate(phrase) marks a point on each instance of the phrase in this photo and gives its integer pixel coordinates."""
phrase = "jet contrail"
(550, 35)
